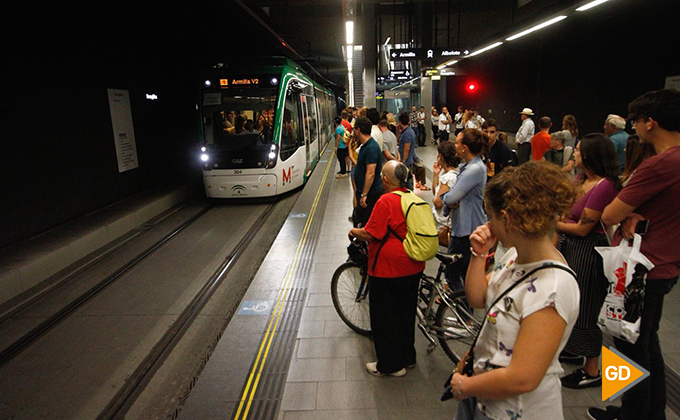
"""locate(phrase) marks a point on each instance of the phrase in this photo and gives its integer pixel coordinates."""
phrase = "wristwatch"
(364, 195)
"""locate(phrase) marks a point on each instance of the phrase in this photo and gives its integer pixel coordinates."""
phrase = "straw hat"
(527, 111)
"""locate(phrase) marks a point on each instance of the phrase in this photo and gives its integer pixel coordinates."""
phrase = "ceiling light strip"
(590, 5)
(485, 49)
(535, 28)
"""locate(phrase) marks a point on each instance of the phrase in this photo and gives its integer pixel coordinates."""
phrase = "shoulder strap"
(389, 230)
(517, 283)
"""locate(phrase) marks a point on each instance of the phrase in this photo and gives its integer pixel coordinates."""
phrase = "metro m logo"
(286, 176)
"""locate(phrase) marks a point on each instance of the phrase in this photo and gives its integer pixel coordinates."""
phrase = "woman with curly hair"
(531, 298)
(581, 232)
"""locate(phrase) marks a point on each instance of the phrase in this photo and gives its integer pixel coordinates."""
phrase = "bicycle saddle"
(448, 259)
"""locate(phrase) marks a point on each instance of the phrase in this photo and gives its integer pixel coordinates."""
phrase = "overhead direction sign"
(619, 373)
(407, 54)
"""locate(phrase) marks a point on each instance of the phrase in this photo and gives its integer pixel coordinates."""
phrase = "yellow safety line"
(254, 378)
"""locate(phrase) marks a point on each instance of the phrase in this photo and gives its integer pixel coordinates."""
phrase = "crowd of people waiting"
(545, 207)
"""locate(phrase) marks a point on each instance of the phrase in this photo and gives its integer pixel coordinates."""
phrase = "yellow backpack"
(422, 238)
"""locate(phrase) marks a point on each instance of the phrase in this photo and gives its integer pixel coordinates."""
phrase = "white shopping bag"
(626, 269)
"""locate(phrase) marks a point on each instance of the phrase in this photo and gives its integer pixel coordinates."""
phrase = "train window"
(312, 119)
(241, 120)
(290, 129)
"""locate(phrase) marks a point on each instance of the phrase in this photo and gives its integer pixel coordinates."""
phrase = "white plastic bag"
(626, 269)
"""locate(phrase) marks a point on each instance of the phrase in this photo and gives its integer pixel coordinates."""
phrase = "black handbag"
(468, 367)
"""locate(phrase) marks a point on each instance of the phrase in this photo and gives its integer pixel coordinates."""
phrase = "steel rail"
(21, 344)
(126, 396)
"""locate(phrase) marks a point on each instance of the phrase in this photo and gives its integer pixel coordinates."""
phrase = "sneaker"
(579, 379)
(372, 368)
(611, 413)
(572, 359)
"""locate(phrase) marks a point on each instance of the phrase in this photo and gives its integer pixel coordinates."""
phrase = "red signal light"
(472, 87)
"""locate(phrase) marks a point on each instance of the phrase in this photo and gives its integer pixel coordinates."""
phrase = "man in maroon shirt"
(653, 194)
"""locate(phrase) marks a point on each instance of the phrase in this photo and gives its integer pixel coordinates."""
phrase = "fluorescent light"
(350, 51)
(487, 48)
(537, 27)
(349, 32)
(349, 64)
(448, 63)
(387, 41)
(590, 5)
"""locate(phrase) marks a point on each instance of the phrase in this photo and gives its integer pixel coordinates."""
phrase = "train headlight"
(205, 157)
(274, 81)
(271, 157)
(203, 149)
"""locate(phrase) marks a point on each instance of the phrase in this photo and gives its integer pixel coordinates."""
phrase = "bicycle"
(441, 314)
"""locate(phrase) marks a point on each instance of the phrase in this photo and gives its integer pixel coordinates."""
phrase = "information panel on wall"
(123, 130)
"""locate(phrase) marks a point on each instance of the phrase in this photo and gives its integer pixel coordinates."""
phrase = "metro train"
(264, 126)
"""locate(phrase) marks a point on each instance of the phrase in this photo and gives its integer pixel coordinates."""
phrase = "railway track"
(48, 343)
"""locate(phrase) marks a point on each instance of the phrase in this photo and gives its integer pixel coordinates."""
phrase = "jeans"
(455, 273)
(647, 400)
(361, 215)
(342, 154)
(467, 410)
(421, 135)
(523, 152)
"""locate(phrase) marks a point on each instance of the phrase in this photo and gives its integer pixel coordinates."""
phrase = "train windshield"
(239, 120)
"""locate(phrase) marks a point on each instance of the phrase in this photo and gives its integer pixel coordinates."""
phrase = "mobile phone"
(642, 226)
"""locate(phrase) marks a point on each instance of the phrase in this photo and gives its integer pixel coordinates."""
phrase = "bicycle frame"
(426, 322)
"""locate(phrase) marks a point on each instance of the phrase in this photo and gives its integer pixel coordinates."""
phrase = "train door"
(314, 134)
(305, 131)
(309, 124)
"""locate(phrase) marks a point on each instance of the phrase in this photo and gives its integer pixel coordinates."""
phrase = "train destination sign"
(240, 82)
(406, 54)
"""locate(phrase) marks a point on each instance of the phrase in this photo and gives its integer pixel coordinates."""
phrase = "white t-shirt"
(442, 122)
(549, 287)
(472, 124)
(448, 178)
(377, 135)
(458, 120)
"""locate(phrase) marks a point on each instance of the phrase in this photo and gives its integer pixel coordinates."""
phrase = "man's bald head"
(395, 173)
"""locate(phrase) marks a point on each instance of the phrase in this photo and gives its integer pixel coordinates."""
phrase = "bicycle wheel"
(455, 325)
(349, 291)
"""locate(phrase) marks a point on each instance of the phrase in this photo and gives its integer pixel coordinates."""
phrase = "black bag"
(468, 367)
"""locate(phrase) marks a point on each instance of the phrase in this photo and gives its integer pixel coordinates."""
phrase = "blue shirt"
(408, 136)
(620, 138)
(369, 153)
(341, 131)
(469, 192)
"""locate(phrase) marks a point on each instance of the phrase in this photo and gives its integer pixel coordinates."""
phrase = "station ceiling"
(315, 28)
(195, 34)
